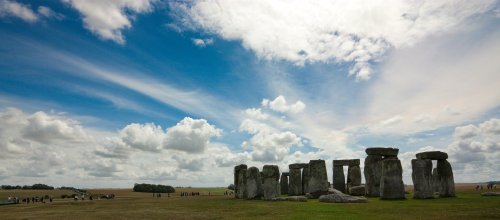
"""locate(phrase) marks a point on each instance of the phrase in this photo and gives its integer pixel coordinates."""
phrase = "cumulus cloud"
(279, 104)
(148, 137)
(323, 31)
(107, 18)
(190, 135)
(16, 9)
(46, 128)
(202, 42)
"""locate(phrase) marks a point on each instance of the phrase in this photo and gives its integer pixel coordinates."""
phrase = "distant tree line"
(144, 187)
(34, 186)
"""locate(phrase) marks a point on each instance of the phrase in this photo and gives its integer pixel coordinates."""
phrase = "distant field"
(131, 205)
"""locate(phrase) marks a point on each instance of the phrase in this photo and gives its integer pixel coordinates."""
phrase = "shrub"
(144, 187)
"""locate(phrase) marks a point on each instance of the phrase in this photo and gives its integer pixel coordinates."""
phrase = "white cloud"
(256, 113)
(22, 11)
(323, 31)
(279, 104)
(49, 128)
(202, 42)
(190, 135)
(147, 137)
(107, 18)
(49, 13)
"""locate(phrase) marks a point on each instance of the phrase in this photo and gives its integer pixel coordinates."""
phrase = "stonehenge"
(384, 173)
(237, 170)
(353, 174)
(427, 180)
(295, 185)
(253, 183)
(271, 175)
(317, 179)
(284, 183)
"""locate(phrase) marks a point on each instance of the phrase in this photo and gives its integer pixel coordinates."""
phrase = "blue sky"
(109, 93)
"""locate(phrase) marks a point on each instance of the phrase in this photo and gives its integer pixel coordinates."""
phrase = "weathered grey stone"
(422, 179)
(490, 194)
(357, 190)
(446, 181)
(237, 170)
(305, 180)
(271, 175)
(373, 172)
(298, 165)
(342, 198)
(435, 180)
(382, 151)
(354, 176)
(284, 183)
(334, 191)
(318, 179)
(295, 182)
(350, 162)
(338, 178)
(242, 184)
(253, 183)
(285, 173)
(391, 182)
(433, 155)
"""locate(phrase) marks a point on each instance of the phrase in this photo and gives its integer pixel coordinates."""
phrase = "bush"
(144, 187)
(231, 186)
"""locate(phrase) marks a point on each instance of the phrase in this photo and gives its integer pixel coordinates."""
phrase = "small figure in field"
(90, 198)
(50, 199)
(159, 195)
(154, 194)
(477, 187)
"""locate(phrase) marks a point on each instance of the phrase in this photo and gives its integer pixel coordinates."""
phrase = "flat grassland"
(468, 204)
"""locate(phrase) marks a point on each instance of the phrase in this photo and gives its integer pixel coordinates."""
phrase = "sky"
(108, 93)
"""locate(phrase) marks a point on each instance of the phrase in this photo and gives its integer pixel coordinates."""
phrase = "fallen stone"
(298, 165)
(342, 198)
(391, 182)
(350, 162)
(334, 191)
(422, 179)
(338, 178)
(373, 172)
(318, 179)
(382, 151)
(490, 194)
(253, 183)
(433, 155)
(357, 191)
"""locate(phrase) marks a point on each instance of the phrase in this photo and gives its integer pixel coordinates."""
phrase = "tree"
(231, 186)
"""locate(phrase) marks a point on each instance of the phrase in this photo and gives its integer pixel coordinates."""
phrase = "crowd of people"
(488, 186)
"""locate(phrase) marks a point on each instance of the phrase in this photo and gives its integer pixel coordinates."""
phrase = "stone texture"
(422, 179)
(373, 172)
(353, 176)
(242, 184)
(295, 182)
(334, 191)
(433, 155)
(338, 178)
(351, 162)
(271, 175)
(382, 151)
(305, 180)
(391, 182)
(318, 179)
(298, 165)
(490, 194)
(435, 180)
(357, 191)
(237, 170)
(446, 181)
(253, 183)
(342, 198)
(284, 183)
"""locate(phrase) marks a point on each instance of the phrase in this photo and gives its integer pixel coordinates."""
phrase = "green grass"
(132, 205)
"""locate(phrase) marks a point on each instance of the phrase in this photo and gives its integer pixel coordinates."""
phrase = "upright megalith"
(305, 179)
(284, 183)
(237, 170)
(295, 179)
(253, 183)
(339, 178)
(422, 178)
(446, 181)
(354, 176)
(435, 180)
(242, 184)
(318, 179)
(373, 172)
(271, 175)
(391, 182)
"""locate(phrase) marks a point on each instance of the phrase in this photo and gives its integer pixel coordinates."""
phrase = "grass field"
(131, 205)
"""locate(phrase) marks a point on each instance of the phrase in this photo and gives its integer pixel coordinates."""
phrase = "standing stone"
(422, 179)
(318, 179)
(253, 183)
(295, 182)
(446, 182)
(271, 175)
(338, 178)
(373, 172)
(284, 183)
(242, 184)
(305, 180)
(354, 176)
(391, 182)
(237, 170)
(435, 180)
